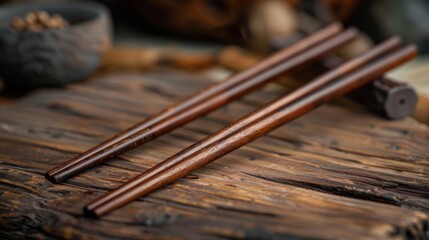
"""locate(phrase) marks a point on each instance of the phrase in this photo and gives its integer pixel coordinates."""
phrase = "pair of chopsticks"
(309, 49)
(348, 76)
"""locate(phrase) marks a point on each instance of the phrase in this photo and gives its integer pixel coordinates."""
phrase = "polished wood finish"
(264, 111)
(335, 173)
(205, 101)
(250, 132)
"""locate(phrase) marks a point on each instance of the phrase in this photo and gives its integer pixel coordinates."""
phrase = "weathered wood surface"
(334, 173)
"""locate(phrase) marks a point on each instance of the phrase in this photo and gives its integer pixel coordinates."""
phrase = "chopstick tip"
(414, 48)
(352, 30)
(336, 25)
(89, 213)
(396, 39)
(52, 178)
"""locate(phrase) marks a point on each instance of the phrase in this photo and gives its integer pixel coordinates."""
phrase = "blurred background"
(219, 37)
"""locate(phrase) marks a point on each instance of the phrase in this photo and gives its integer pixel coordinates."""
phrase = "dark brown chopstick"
(205, 101)
(341, 70)
(179, 166)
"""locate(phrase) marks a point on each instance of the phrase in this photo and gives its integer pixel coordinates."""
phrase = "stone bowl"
(53, 58)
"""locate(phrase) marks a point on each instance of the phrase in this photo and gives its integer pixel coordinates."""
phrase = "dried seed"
(30, 18)
(39, 21)
(18, 23)
(42, 16)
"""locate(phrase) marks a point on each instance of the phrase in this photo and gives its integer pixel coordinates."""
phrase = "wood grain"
(336, 173)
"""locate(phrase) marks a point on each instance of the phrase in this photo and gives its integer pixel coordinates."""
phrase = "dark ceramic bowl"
(53, 58)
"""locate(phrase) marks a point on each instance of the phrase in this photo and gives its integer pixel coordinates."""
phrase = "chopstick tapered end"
(90, 213)
(52, 178)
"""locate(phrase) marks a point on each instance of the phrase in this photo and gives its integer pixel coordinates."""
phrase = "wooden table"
(335, 173)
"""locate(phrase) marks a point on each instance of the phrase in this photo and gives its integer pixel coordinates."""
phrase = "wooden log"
(336, 173)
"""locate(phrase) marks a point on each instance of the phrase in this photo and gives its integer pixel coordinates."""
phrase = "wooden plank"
(335, 173)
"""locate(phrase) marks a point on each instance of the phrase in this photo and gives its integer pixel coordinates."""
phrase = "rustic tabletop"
(338, 172)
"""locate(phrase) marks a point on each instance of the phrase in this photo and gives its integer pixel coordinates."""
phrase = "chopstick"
(256, 124)
(213, 97)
